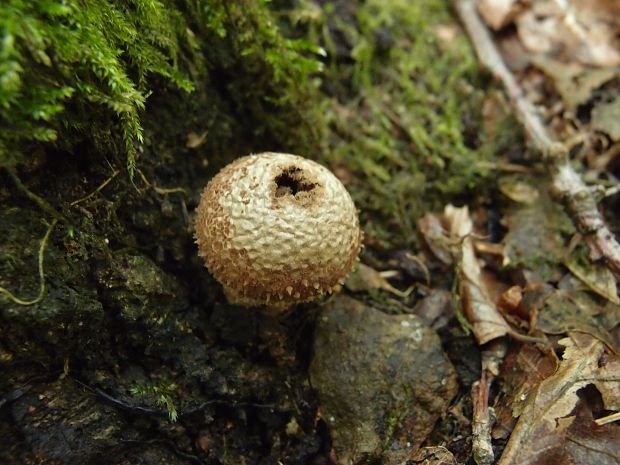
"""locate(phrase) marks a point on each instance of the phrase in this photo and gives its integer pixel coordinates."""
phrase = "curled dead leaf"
(364, 278)
(518, 190)
(606, 118)
(435, 237)
(479, 309)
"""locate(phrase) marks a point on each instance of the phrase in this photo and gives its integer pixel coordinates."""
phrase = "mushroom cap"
(277, 229)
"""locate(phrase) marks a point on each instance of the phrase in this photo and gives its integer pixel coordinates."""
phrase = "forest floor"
(481, 326)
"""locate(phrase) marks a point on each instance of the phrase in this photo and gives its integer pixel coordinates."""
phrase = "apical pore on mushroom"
(276, 230)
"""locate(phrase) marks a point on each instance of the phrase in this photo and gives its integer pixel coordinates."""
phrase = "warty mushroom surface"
(277, 229)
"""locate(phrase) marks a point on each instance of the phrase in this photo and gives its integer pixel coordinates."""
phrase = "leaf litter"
(553, 290)
(542, 281)
(551, 426)
(451, 236)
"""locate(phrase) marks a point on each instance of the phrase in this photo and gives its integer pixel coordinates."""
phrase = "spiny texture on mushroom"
(277, 229)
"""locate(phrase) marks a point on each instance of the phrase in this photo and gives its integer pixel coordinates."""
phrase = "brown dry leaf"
(436, 308)
(597, 277)
(583, 29)
(544, 433)
(603, 314)
(499, 13)
(606, 118)
(574, 82)
(518, 190)
(559, 311)
(587, 443)
(479, 309)
(435, 237)
(510, 301)
(517, 58)
(434, 456)
(524, 367)
(535, 235)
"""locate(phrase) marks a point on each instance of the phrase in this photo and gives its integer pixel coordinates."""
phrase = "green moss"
(162, 396)
(269, 77)
(93, 55)
(84, 69)
(405, 113)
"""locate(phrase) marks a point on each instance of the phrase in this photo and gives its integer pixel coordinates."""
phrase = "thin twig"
(160, 412)
(567, 186)
(482, 446)
(103, 184)
(608, 419)
(159, 190)
(39, 296)
(483, 415)
(508, 167)
(41, 202)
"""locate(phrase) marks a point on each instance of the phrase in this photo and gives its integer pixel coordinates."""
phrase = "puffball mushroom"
(276, 230)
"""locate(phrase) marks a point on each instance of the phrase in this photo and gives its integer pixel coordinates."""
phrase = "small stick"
(41, 202)
(567, 186)
(608, 419)
(41, 292)
(482, 447)
(159, 190)
(483, 415)
(103, 184)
